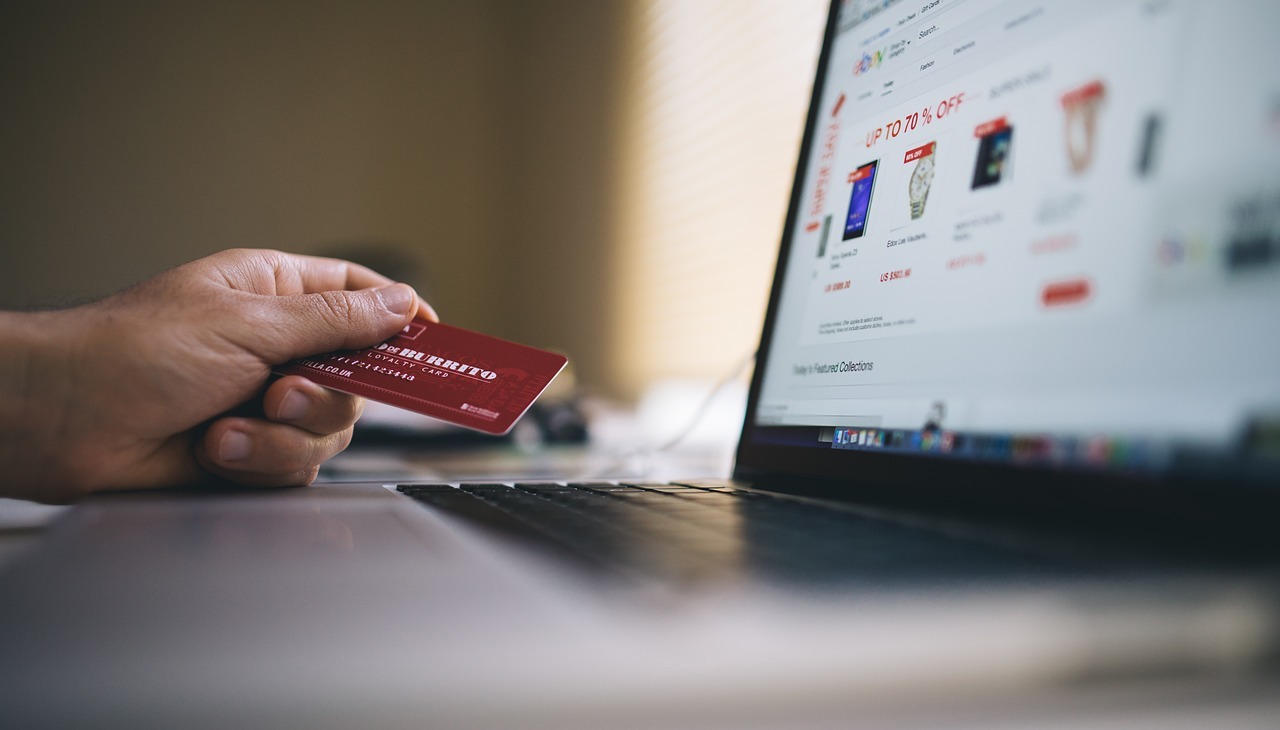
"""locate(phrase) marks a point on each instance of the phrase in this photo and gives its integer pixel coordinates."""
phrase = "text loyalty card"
(453, 374)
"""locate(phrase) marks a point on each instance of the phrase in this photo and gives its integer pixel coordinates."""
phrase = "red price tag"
(921, 151)
(1089, 92)
(991, 127)
(861, 173)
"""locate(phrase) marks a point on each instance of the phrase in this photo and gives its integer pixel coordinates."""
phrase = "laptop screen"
(1041, 233)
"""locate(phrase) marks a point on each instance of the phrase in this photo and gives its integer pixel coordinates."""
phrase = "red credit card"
(453, 374)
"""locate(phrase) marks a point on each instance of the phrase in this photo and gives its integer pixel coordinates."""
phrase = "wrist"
(35, 399)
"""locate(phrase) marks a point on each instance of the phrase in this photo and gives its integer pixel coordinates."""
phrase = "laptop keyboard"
(689, 533)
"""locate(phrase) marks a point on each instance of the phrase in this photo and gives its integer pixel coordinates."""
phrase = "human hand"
(166, 383)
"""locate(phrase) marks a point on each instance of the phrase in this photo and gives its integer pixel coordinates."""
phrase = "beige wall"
(473, 134)
(560, 100)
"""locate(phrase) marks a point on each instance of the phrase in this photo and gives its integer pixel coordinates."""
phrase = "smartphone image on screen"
(864, 181)
(822, 239)
(993, 156)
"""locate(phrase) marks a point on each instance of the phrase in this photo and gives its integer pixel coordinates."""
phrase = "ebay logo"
(868, 62)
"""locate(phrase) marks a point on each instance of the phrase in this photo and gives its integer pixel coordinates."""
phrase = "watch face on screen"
(864, 181)
(921, 178)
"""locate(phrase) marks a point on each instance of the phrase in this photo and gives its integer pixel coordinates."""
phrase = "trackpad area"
(230, 589)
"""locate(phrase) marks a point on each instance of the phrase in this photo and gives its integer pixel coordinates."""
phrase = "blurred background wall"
(603, 178)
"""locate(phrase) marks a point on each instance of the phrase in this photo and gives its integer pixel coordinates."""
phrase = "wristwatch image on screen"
(921, 180)
(1081, 107)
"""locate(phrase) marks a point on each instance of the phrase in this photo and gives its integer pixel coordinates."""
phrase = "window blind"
(714, 104)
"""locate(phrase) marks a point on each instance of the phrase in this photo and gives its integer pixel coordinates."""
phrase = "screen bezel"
(922, 480)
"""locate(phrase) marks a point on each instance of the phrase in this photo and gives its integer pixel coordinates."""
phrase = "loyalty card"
(453, 374)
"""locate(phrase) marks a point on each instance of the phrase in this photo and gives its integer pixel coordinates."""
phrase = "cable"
(705, 407)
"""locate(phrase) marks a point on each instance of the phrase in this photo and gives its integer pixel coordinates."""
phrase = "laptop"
(1010, 455)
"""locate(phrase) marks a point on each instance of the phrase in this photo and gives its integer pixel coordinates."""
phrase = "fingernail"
(235, 446)
(397, 298)
(294, 406)
(426, 311)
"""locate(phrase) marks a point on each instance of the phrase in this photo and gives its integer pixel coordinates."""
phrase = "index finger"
(318, 273)
(263, 271)
(301, 274)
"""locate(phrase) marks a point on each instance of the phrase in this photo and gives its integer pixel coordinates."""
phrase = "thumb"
(311, 324)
